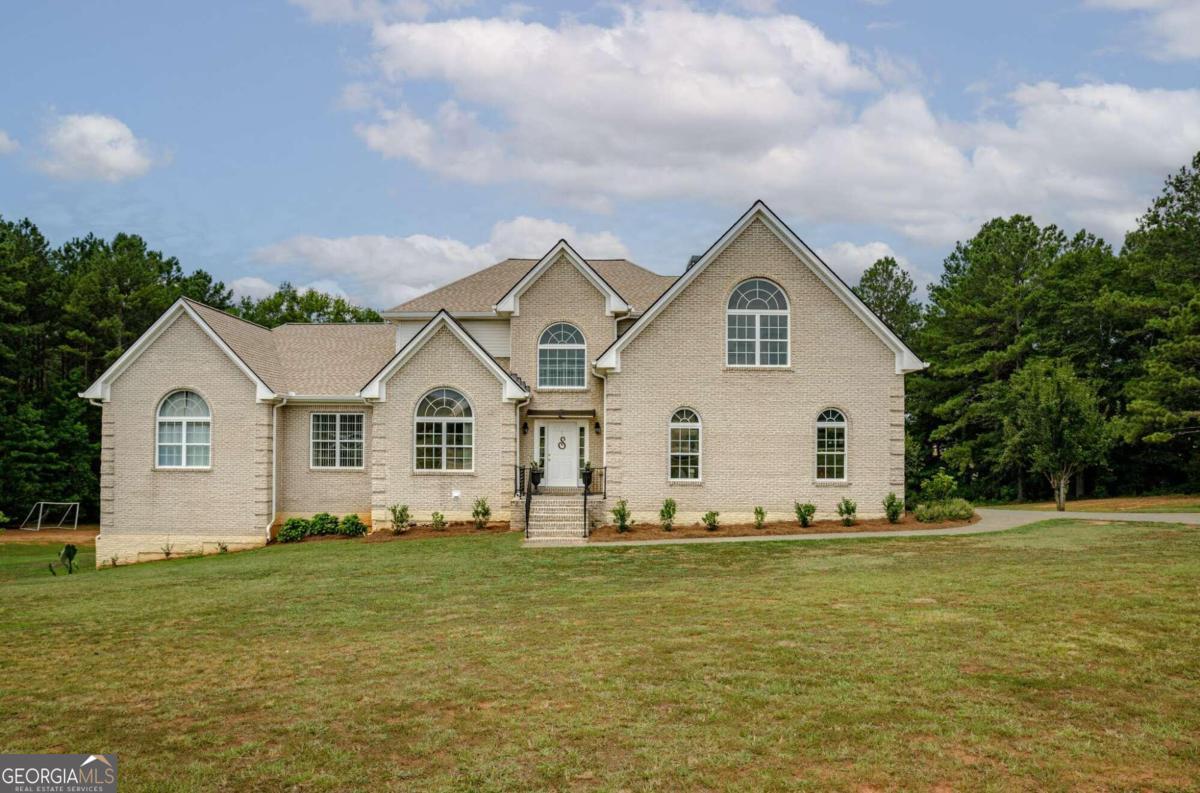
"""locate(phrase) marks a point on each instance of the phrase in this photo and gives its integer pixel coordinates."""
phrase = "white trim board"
(906, 359)
(102, 388)
(510, 304)
(376, 388)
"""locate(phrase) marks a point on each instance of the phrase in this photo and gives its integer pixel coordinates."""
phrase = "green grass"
(1056, 656)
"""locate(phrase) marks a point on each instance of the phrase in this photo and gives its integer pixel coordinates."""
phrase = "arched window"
(831, 445)
(562, 357)
(756, 325)
(684, 455)
(445, 432)
(184, 431)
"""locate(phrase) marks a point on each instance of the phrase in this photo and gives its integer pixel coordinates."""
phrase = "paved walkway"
(991, 520)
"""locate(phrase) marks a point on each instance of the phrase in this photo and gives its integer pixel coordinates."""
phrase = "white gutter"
(274, 464)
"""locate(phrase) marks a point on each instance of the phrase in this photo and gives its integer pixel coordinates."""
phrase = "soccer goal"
(44, 512)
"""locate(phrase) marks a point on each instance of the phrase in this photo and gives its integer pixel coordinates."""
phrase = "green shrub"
(293, 530)
(352, 526)
(400, 518)
(321, 524)
(710, 520)
(481, 512)
(847, 509)
(893, 508)
(760, 515)
(950, 509)
(666, 515)
(620, 514)
(804, 513)
(939, 487)
(4, 521)
(439, 522)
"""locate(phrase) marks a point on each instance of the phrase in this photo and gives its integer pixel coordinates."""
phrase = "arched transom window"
(756, 325)
(831, 445)
(562, 357)
(184, 431)
(684, 455)
(445, 432)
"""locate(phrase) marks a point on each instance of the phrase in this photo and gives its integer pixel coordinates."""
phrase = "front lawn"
(1057, 656)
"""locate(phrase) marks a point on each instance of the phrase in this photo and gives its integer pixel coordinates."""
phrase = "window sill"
(562, 388)
(428, 472)
(182, 469)
(748, 368)
(684, 482)
(349, 469)
(831, 483)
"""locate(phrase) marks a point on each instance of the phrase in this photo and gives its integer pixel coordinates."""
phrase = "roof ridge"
(222, 311)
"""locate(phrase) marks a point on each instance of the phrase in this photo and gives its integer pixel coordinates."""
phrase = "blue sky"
(380, 148)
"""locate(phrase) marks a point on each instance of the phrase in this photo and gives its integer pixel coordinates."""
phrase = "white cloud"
(1171, 27)
(375, 10)
(677, 103)
(383, 271)
(7, 145)
(251, 286)
(849, 259)
(94, 146)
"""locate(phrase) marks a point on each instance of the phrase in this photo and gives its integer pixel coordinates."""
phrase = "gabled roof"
(376, 388)
(293, 360)
(476, 294)
(247, 339)
(906, 359)
(510, 303)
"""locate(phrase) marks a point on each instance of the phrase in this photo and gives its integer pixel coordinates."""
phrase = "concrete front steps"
(556, 518)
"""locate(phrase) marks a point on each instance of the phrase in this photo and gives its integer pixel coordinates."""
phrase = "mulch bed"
(424, 532)
(652, 531)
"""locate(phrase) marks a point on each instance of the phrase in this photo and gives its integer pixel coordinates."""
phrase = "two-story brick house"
(754, 378)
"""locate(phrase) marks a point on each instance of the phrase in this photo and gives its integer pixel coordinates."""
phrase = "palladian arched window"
(684, 454)
(831, 445)
(756, 325)
(445, 432)
(184, 431)
(562, 357)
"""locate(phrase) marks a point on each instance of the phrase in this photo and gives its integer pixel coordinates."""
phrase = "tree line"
(1054, 360)
(66, 314)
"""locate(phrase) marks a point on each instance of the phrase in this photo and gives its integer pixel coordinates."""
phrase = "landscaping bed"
(452, 529)
(653, 531)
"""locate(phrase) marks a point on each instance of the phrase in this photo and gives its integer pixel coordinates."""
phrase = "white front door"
(562, 454)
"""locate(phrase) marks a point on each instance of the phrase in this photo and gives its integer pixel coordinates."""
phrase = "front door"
(562, 454)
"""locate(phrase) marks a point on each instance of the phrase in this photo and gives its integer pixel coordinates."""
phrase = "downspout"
(274, 464)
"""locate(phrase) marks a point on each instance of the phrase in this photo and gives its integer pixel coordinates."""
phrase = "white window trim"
(699, 426)
(183, 444)
(757, 313)
(443, 420)
(541, 346)
(845, 425)
(337, 442)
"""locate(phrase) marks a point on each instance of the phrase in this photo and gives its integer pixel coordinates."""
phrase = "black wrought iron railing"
(520, 474)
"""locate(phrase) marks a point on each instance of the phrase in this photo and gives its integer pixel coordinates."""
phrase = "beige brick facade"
(144, 508)
(304, 490)
(443, 362)
(759, 425)
(561, 294)
(758, 436)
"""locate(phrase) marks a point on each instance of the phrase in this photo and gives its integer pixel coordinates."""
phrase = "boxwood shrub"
(322, 523)
(949, 509)
(352, 526)
(293, 530)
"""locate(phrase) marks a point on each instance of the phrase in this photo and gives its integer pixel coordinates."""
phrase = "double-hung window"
(445, 432)
(684, 453)
(337, 440)
(562, 357)
(184, 433)
(756, 325)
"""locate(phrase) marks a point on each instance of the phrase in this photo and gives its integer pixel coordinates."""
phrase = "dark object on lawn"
(66, 558)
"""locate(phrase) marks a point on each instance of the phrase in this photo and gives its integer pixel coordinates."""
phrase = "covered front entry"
(561, 449)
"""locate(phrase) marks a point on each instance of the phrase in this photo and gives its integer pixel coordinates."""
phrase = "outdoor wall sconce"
(524, 427)
(597, 428)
